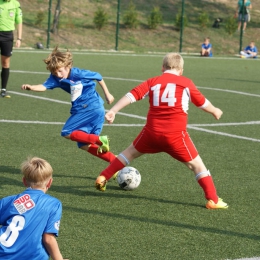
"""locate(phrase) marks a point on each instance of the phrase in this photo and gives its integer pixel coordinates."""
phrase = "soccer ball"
(129, 178)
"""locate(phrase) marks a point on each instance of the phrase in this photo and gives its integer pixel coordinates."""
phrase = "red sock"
(107, 156)
(82, 137)
(112, 168)
(208, 186)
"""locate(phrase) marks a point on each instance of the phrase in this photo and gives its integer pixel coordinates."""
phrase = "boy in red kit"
(169, 96)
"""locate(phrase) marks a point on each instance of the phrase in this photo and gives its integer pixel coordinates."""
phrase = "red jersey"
(169, 97)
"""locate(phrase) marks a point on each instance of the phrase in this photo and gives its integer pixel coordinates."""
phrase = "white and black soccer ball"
(129, 178)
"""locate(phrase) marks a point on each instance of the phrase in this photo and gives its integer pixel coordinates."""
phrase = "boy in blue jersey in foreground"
(29, 221)
(87, 112)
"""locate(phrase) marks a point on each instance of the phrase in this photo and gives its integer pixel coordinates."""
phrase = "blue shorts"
(245, 17)
(90, 121)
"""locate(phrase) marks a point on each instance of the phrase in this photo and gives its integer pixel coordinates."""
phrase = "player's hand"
(109, 98)
(217, 113)
(26, 87)
(110, 116)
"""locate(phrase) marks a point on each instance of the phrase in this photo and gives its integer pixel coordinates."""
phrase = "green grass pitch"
(165, 218)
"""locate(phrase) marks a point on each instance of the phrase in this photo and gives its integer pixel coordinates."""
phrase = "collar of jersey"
(175, 72)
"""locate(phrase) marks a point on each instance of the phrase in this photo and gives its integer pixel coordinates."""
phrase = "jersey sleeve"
(51, 82)
(86, 74)
(18, 13)
(53, 223)
(139, 92)
(196, 97)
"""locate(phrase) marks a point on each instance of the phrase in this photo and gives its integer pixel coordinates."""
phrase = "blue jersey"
(82, 87)
(24, 218)
(248, 48)
(206, 47)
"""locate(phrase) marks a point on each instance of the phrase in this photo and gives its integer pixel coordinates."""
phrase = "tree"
(56, 18)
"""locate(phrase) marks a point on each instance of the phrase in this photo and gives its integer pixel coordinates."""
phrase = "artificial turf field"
(165, 218)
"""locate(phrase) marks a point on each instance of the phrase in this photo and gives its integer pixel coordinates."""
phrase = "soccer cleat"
(115, 175)
(105, 144)
(101, 183)
(220, 205)
(4, 94)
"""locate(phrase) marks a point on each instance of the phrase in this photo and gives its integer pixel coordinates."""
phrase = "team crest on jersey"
(57, 225)
(11, 14)
(24, 203)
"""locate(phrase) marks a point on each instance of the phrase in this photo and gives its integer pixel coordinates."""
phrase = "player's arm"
(19, 35)
(38, 88)
(108, 96)
(209, 108)
(123, 102)
(51, 246)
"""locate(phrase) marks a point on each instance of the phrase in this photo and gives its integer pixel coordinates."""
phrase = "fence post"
(117, 24)
(182, 25)
(49, 25)
(242, 26)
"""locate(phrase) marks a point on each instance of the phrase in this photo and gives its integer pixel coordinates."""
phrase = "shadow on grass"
(83, 191)
(165, 223)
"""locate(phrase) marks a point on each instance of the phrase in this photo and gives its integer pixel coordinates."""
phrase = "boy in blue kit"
(87, 112)
(29, 221)
(250, 51)
(206, 48)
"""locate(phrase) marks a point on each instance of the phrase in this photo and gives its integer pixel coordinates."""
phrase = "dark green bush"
(39, 18)
(130, 17)
(203, 20)
(100, 18)
(231, 25)
(178, 20)
(155, 18)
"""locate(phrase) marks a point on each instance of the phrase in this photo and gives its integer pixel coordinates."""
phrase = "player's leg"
(94, 150)
(6, 53)
(83, 137)
(205, 180)
(123, 159)
(184, 150)
(86, 127)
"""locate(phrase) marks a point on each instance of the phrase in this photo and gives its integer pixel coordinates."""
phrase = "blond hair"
(36, 171)
(172, 61)
(58, 59)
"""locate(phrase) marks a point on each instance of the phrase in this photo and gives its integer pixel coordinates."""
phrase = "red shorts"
(177, 144)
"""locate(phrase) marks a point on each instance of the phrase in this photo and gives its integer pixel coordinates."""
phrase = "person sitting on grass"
(206, 48)
(29, 221)
(166, 126)
(249, 51)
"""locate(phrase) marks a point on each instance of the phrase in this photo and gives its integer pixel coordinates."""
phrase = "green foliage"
(231, 25)
(203, 20)
(39, 18)
(155, 18)
(130, 17)
(100, 18)
(179, 19)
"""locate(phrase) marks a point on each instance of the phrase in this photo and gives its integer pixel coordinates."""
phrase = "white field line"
(190, 126)
(137, 80)
(140, 125)
(132, 54)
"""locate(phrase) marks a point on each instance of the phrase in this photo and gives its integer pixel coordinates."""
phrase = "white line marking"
(132, 54)
(195, 126)
(231, 91)
(134, 125)
(224, 134)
